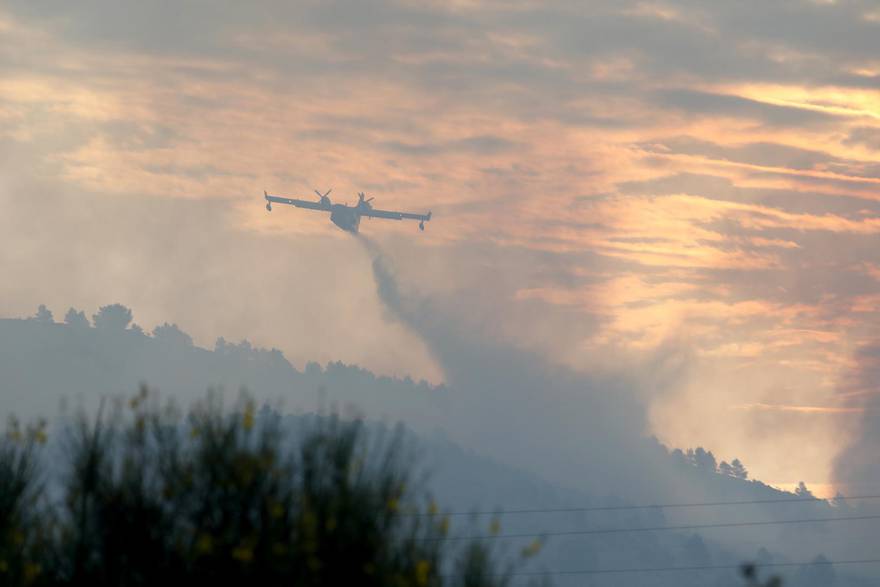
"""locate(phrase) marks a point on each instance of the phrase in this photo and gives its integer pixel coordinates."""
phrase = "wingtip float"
(346, 217)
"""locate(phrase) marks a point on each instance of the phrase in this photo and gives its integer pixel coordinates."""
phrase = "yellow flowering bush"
(151, 496)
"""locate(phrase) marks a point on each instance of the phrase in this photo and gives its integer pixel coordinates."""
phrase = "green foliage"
(23, 528)
(150, 496)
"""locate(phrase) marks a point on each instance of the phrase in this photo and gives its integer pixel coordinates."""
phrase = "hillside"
(45, 364)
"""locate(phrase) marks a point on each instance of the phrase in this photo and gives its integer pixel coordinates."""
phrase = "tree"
(114, 317)
(734, 469)
(839, 501)
(220, 345)
(76, 319)
(802, 491)
(43, 315)
(172, 335)
(704, 460)
(738, 470)
(678, 457)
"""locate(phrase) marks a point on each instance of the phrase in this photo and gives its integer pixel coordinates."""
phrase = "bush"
(150, 496)
(23, 529)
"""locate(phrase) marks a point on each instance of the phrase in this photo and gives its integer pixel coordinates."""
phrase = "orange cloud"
(806, 410)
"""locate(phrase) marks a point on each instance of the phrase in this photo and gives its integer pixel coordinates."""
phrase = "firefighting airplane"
(344, 216)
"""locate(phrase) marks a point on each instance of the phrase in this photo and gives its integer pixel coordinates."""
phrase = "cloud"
(715, 104)
(758, 154)
(866, 136)
(479, 145)
(808, 410)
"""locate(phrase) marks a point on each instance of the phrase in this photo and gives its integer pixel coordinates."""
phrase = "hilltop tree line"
(113, 317)
(704, 460)
(116, 318)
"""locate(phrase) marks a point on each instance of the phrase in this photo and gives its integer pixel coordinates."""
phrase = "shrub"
(150, 496)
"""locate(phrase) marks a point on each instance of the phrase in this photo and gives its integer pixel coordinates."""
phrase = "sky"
(685, 191)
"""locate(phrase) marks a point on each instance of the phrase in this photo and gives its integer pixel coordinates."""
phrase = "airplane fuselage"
(345, 217)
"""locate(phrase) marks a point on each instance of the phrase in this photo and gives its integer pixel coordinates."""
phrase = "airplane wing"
(373, 213)
(311, 205)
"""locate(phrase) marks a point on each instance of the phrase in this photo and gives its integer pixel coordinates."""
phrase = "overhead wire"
(692, 568)
(613, 508)
(795, 500)
(497, 536)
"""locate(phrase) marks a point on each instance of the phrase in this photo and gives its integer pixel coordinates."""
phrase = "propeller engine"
(362, 199)
(324, 199)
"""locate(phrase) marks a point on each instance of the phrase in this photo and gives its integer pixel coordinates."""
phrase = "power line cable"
(694, 568)
(614, 508)
(658, 528)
